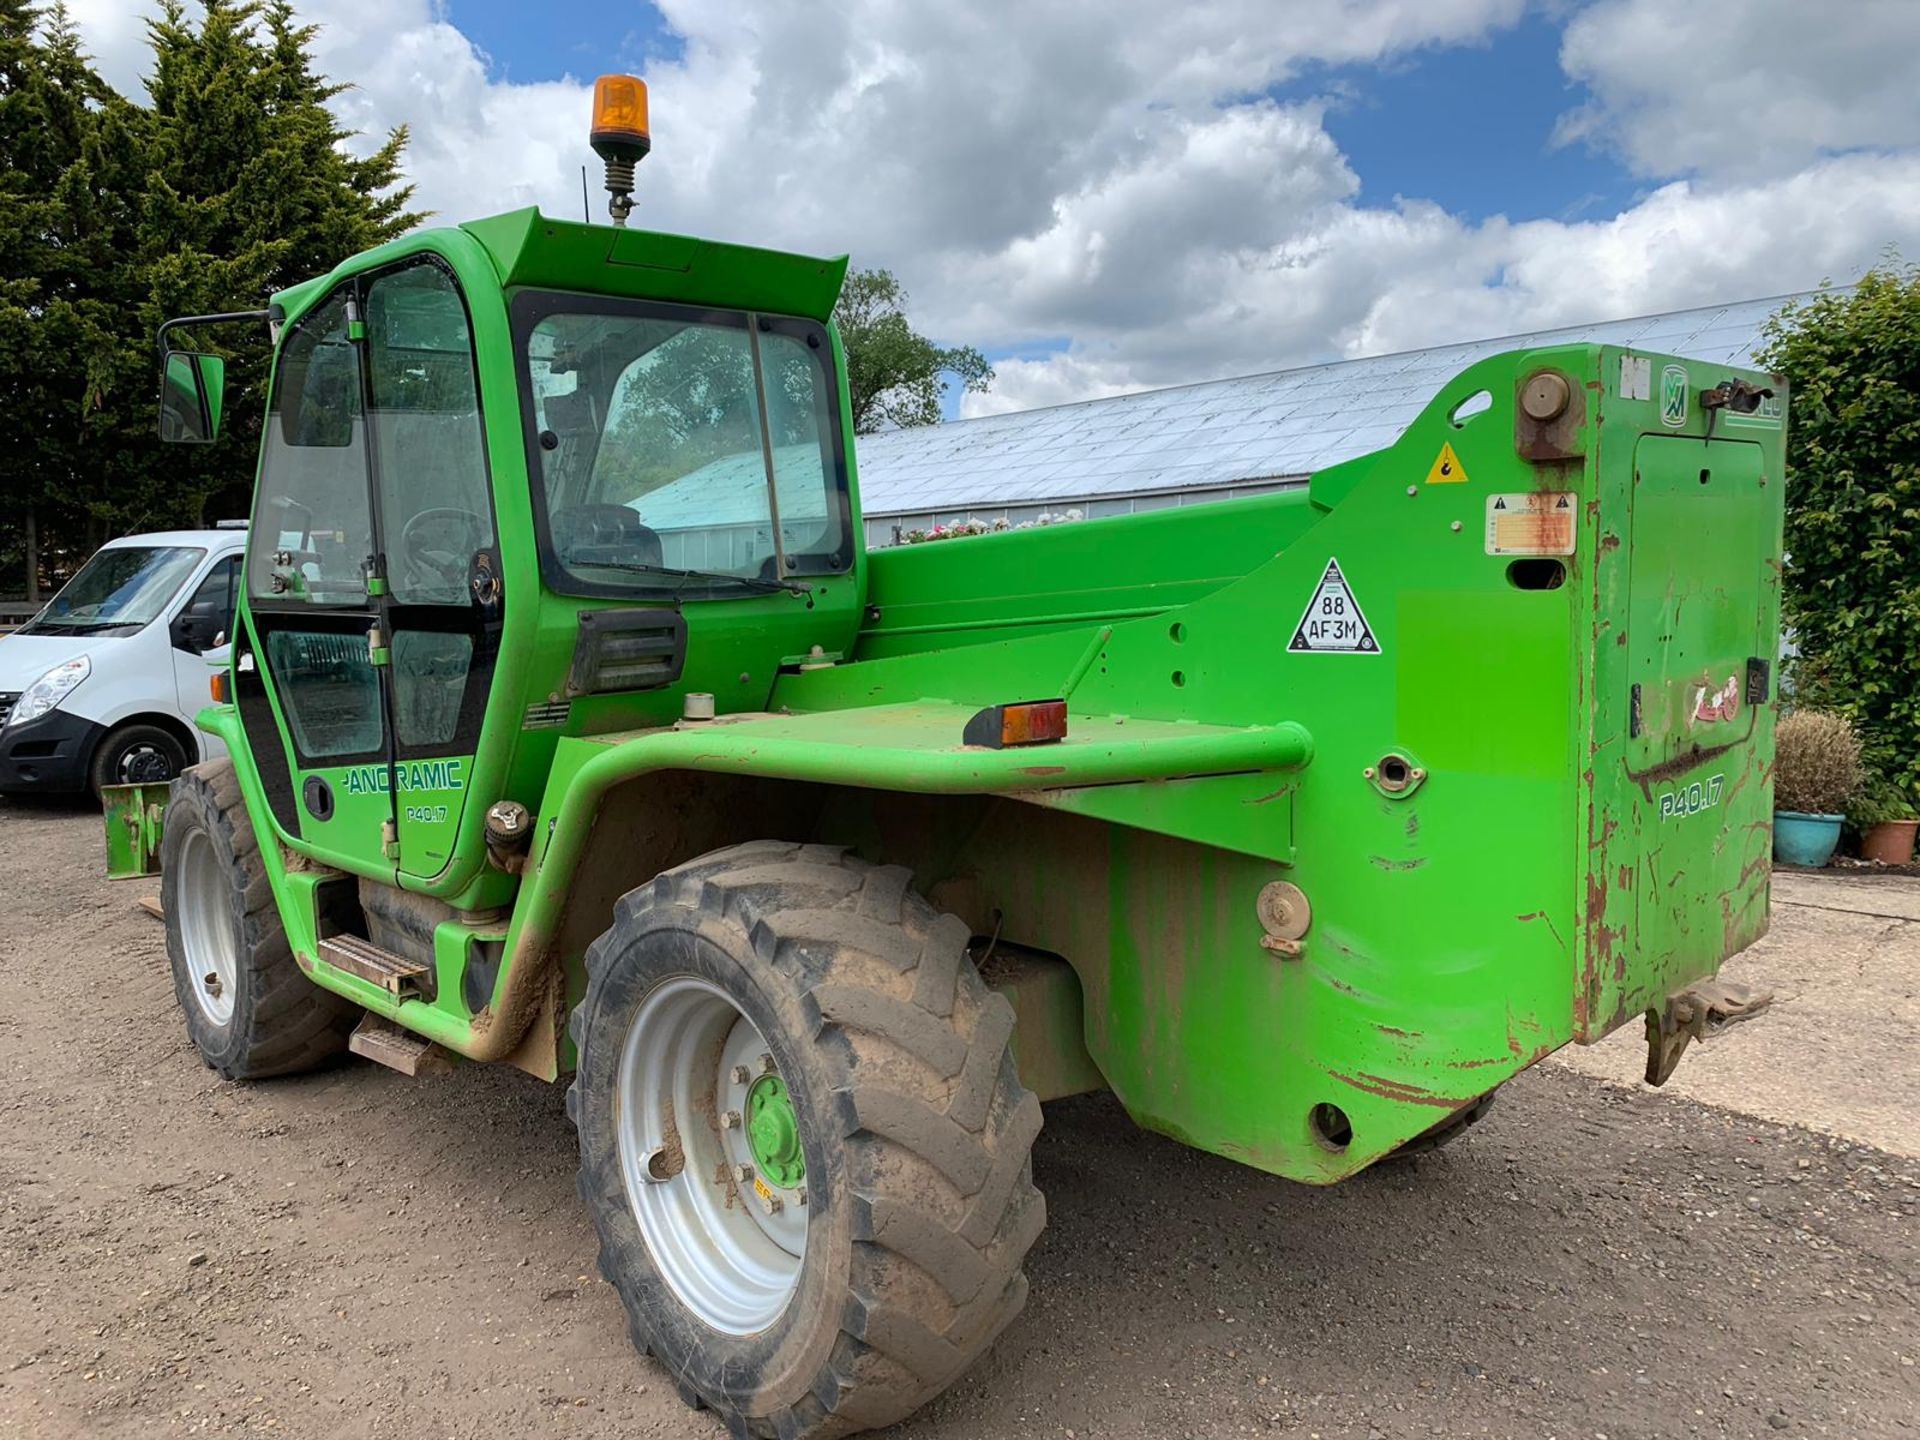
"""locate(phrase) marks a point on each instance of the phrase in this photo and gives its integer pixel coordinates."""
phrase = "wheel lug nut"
(800, 1196)
(766, 1064)
(730, 1120)
(769, 1202)
(741, 1075)
(743, 1174)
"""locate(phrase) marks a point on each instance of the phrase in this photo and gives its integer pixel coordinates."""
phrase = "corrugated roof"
(1222, 432)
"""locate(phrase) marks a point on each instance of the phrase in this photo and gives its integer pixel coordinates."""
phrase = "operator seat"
(604, 534)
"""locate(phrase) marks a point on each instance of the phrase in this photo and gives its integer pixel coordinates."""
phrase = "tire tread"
(941, 1238)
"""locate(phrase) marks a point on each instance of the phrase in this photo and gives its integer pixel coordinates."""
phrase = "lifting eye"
(1395, 775)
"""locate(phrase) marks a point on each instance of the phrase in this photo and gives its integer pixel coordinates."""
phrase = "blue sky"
(553, 38)
(1471, 124)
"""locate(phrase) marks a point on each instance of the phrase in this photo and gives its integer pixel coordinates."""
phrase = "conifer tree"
(229, 179)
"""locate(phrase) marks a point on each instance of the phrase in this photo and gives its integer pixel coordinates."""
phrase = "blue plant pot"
(1804, 839)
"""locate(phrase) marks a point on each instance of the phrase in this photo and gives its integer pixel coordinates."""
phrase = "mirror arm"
(227, 317)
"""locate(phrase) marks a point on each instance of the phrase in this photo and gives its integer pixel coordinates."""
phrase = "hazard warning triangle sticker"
(1334, 622)
(1446, 468)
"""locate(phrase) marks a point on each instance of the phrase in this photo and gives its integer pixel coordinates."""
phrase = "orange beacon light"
(620, 136)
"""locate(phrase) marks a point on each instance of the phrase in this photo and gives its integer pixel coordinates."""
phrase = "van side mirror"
(191, 389)
(197, 628)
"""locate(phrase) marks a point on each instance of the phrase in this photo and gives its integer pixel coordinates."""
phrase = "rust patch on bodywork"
(1678, 765)
(1397, 1090)
(1551, 927)
(1385, 864)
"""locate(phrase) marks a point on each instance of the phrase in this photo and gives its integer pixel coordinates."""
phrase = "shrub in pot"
(1887, 819)
(1816, 771)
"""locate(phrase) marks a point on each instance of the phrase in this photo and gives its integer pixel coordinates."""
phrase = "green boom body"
(1520, 798)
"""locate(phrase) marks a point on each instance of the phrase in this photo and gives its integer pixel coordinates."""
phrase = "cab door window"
(436, 515)
(312, 532)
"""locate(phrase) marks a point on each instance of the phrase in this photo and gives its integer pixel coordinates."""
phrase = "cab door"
(310, 694)
(372, 577)
(442, 598)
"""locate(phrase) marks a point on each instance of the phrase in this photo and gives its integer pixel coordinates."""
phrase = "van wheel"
(250, 1010)
(137, 755)
(802, 1139)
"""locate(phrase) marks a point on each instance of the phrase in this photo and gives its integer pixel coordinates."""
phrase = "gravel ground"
(355, 1254)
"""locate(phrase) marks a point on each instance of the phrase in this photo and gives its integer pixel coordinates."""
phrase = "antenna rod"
(586, 206)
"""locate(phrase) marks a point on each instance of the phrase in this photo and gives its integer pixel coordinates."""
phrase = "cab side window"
(312, 531)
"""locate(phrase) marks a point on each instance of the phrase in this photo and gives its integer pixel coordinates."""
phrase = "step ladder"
(387, 1044)
(399, 976)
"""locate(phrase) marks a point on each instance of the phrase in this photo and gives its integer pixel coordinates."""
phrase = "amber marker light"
(620, 136)
(1033, 722)
(217, 687)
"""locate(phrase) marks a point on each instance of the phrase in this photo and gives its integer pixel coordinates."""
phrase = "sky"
(1120, 194)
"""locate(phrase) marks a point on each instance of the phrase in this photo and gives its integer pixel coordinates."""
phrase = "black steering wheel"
(441, 564)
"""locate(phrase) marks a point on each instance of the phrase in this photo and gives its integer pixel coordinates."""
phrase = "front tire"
(869, 1247)
(136, 755)
(250, 1010)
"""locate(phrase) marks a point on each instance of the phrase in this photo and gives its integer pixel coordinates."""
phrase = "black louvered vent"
(627, 650)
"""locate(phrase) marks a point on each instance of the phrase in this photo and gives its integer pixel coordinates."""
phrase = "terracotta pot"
(1890, 842)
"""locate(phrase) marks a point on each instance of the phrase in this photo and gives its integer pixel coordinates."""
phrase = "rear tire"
(914, 1129)
(250, 1009)
(136, 755)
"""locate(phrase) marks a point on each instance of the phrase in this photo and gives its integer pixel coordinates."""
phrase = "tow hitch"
(1697, 1013)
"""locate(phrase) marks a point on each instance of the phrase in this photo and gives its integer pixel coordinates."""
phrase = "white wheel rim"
(206, 928)
(729, 1249)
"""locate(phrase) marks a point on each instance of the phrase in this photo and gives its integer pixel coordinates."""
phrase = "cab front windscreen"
(671, 438)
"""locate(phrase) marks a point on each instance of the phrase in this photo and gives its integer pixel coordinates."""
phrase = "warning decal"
(1535, 522)
(1446, 468)
(1333, 621)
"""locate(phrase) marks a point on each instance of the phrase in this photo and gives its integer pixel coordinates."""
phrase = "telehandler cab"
(573, 726)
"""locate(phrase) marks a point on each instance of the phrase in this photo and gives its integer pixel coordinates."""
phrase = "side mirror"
(191, 389)
(195, 630)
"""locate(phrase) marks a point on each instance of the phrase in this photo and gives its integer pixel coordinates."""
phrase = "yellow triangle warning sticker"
(1447, 469)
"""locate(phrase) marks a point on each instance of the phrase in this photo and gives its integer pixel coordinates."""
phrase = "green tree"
(231, 180)
(48, 99)
(1852, 358)
(896, 375)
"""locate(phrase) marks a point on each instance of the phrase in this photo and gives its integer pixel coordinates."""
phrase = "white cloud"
(1758, 88)
(1111, 175)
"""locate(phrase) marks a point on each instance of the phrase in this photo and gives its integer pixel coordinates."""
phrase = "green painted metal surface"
(136, 818)
(1524, 795)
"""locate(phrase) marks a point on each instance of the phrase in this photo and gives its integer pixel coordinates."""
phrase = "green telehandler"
(572, 726)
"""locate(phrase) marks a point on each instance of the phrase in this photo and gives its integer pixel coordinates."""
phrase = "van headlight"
(49, 690)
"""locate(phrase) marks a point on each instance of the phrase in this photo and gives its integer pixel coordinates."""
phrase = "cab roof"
(531, 249)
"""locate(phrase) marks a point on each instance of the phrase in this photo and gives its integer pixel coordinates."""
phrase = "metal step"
(395, 974)
(387, 1044)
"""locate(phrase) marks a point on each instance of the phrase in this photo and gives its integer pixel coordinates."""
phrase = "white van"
(100, 688)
